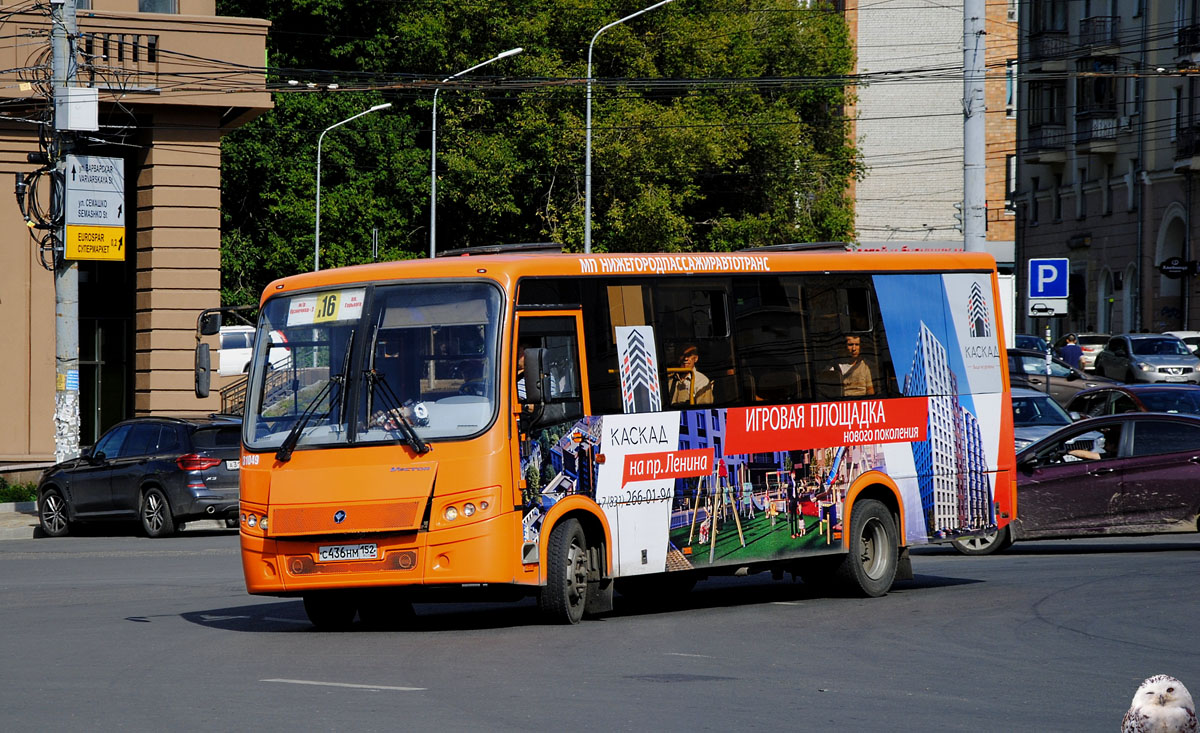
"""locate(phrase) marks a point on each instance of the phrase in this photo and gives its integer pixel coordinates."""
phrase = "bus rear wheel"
(564, 597)
(870, 566)
(330, 611)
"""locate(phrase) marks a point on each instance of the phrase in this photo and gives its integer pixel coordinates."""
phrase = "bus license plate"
(338, 553)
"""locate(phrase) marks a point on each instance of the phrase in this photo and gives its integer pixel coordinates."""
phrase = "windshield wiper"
(284, 453)
(395, 410)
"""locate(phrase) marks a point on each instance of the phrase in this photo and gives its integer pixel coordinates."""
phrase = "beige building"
(1109, 133)
(172, 79)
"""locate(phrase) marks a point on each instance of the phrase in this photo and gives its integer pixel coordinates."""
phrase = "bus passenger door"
(557, 453)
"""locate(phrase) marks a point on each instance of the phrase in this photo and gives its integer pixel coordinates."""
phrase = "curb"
(21, 507)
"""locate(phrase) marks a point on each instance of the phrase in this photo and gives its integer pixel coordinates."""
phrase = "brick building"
(909, 123)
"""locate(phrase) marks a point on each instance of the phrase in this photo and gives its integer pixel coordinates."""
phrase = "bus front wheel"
(870, 565)
(564, 597)
(330, 611)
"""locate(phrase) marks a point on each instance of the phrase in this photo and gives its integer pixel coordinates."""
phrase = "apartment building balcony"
(1187, 148)
(1050, 49)
(1187, 43)
(1096, 131)
(1100, 31)
(1046, 144)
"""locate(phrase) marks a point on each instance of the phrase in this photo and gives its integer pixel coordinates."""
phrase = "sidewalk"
(18, 521)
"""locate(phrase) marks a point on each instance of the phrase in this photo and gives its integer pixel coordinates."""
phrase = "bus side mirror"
(203, 369)
(535, 379)
(210, 324)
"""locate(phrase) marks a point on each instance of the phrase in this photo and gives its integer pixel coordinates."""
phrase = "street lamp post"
(587, 175)
(433, 148)
(317, 237)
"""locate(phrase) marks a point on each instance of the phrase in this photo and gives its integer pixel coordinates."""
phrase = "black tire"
(986, 544)
(52, 513)
(385, 610)
(870, 566)
(330, 611)
(564, 597)
(155, 513)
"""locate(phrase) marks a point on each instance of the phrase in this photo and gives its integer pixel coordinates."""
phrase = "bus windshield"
(394, 363)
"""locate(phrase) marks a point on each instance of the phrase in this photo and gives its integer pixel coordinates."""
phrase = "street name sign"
(95, 208)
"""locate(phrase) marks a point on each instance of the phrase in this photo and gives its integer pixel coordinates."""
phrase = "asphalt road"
(118, 632)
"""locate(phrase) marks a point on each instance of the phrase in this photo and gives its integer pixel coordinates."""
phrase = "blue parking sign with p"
(1048, 277)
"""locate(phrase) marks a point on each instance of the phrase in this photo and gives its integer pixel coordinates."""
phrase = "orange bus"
(524, 423)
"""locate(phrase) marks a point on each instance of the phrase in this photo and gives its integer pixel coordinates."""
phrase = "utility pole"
(974, 128)
(66, 273)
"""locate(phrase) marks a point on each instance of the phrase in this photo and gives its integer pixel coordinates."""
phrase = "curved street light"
(433, 148)
(587, 175)
(317, 238)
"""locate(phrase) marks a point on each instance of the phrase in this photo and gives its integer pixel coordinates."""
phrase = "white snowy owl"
(1163, 704)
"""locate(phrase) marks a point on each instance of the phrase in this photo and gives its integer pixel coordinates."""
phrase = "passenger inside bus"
(688, 385)
(857, 379)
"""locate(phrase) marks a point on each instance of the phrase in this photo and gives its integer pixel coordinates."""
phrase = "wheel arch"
(595, 529)
(879, 486)
(62, 491)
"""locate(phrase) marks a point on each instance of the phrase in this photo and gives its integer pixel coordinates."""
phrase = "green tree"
(715, 127)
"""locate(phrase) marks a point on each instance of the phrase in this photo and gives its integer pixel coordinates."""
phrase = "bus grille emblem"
(339, 517)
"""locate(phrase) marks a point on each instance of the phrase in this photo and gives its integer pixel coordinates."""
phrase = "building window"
(1049, 16)
(1010, 88)
(1097, 91)
(158, 6)
(1010, 182)
(1047, 103)
(1133, 95)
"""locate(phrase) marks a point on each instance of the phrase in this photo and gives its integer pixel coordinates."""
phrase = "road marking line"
(286, 620)
(346, 684)
(786, 603)
(681, 654)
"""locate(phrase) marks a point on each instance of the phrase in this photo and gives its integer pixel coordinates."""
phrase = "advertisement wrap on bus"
(564, 426)
(696, 487)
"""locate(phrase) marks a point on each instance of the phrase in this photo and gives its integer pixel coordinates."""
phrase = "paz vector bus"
(554, 425)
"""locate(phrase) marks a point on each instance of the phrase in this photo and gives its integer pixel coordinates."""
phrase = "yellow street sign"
(95, 243)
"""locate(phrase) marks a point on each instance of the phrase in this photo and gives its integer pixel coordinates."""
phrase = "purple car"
(1136, 473)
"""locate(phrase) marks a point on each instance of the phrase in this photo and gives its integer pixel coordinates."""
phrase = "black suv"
(161, 470)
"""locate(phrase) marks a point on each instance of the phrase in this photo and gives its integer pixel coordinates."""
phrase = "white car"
(237, 347)
(1191, 338)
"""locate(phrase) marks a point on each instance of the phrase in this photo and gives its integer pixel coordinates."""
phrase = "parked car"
(1118, 398)
(1035, 415)
(1028, 369)
(1148, 357)
(237, 348)
(1090, 344)
(1028, 341)
(163, 471)
(1191, 338)
(1130, 474)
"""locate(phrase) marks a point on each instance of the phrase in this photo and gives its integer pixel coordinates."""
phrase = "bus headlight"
(468, 509)
(451, 513)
